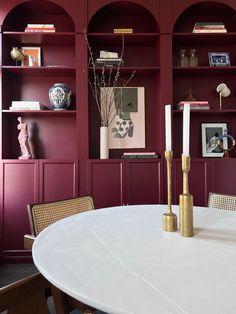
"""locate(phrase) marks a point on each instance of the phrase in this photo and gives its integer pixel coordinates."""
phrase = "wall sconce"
(224, 91)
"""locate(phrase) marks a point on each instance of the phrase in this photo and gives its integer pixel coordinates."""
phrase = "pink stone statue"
(23, 140)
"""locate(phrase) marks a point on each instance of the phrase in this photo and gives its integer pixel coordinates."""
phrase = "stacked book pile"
(209, 27)
(108, 58)
(140, 155)
(26, 105)
(194, 105)
(44, 28)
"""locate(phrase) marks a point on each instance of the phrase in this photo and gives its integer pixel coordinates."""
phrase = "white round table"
(119, 260)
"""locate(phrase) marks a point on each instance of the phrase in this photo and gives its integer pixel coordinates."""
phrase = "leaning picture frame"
(211, 133)
(127, 128)
(219, 59)
(32, 56)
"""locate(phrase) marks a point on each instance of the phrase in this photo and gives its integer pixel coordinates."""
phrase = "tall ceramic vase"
(104, 144)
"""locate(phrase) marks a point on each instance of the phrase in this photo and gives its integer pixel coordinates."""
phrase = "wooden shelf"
(41, 112)
(139, 71)
(209, 112)
(202, 70)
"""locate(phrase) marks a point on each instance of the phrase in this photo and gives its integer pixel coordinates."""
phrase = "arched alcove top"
(38, 12)
(205, 11)
(123, 14)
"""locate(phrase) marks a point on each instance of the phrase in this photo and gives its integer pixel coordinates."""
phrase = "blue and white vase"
(60, 96)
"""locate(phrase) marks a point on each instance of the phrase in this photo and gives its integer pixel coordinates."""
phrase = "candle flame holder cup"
(186, 203)
(169, 218)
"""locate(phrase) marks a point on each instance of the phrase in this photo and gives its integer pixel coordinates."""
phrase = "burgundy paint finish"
(105, 182)
(58, 180)
(143, 182)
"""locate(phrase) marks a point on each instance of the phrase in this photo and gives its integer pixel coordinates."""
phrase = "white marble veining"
(119, 260)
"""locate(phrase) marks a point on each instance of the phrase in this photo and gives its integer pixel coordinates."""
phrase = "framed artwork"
(219, 58)
(127, 128)
(32, 56)
(211, 133)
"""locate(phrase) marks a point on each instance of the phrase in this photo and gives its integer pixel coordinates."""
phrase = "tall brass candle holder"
(186, 203)
(169, 218)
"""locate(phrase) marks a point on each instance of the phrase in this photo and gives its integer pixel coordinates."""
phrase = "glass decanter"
(193, 59)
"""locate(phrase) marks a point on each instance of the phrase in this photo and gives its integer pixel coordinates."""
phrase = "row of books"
(45, 28)
(140, 155)
(26, 105)
(109, 61)
(194, 105)
(209, 27)
(123, 30)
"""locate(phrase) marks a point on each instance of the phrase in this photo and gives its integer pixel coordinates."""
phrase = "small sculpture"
(190, 95)
(17, 54)
(23, 140)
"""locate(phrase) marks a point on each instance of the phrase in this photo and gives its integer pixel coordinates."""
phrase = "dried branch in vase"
(103, 78)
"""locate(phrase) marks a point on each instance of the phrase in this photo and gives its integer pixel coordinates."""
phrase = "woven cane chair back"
(43, 215)
(221, 201)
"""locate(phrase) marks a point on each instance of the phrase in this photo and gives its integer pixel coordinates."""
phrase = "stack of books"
(109, 58)
(26, 105)
(140, 155)
(194, 105)
(209, 27)
(44, 28)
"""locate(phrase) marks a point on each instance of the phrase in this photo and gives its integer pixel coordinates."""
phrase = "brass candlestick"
(169, 218)
(186, 203)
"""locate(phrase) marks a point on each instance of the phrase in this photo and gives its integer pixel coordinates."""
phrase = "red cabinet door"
(143, 179)
(58, 180)
(19, 188)
(105, 182)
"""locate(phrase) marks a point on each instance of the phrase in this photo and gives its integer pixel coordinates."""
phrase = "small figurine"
(190, 95)
(23, 140)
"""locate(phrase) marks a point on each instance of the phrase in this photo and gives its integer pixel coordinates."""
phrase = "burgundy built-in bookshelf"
(66, 143)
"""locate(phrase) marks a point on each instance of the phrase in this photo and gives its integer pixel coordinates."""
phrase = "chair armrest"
(28, 241)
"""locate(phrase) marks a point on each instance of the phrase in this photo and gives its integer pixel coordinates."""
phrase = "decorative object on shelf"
(123, 30)
(209, 27)
(60, 96)
(23, 140)
(127, 128)
(102, 82)
(40, 28)
(223, 91)
(193, 59)
(211, 133)
(169, 218)
(17, 54)
(26, 105)
(223, 143)
(219, 59)
(183, 59)
(32, 56)
(109, 58)
(186, 199)
(104, 142)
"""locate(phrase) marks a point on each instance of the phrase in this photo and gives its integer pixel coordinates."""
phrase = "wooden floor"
(12, 272)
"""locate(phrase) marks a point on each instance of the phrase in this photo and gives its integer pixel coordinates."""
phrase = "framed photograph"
(127, 129)
(32, 56)
(211, 133)
(219, 59)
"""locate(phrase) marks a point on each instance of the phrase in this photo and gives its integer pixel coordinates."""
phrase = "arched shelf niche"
(123, 14)
(38, 12)
(205, 11)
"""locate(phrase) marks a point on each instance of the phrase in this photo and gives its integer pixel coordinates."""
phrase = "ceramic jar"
(60, 96)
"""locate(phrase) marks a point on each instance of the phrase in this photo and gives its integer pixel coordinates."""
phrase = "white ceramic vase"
(104, 144)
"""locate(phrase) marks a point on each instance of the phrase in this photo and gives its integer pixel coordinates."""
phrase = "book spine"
(139, 156)
(141, 153)
(40, 25)
(209, 31)
(44, 30)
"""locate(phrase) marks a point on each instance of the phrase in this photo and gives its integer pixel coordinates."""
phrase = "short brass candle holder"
(186, 203)
(169, 218)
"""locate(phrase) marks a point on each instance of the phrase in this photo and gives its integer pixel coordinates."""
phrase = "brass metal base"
(186, 215)
(169, 222)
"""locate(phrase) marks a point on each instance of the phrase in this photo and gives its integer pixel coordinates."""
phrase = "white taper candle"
(186, 127)
(168, 127)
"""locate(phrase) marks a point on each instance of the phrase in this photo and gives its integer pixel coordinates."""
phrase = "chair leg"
(59, 299)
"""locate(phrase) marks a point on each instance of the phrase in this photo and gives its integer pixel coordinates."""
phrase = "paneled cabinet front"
(28, 182)
(115, 182)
